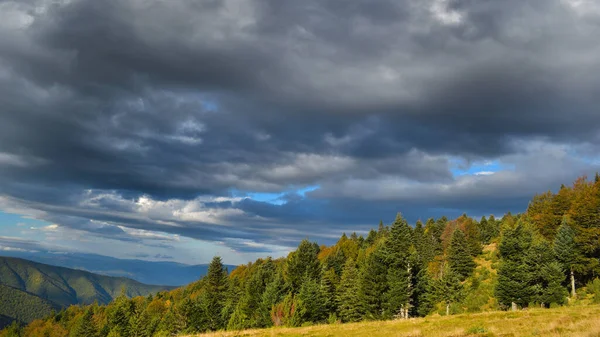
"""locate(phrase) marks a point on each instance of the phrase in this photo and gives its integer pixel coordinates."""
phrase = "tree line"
(547, 256)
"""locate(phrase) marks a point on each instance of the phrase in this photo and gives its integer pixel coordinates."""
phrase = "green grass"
(564, 321)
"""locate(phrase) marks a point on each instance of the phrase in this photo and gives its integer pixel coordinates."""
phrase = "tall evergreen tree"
(310, 302)
(513, 285)
(303, 263)
(448, 288)
(215, 294)
(565, 250)
(329, 284)
(373, 283)
(398, 251)
(85, 326)
(349, 303)
(460, 260)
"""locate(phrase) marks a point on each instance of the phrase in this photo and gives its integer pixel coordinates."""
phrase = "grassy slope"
(22, 306)
(564, 321)
(65, 286)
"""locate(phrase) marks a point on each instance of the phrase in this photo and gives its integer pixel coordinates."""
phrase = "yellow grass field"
(565, 321)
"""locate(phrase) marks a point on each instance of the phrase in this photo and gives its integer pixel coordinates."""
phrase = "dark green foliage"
(513, 279)
(215, 294)
(329, 284)
(397, 250)
(349, 301)
(21, 306)
(373, 283)
(303, 263)
(84, 327)
(64, 286)
(30, 290)
(311, 306)
(488, 229)
(459, 258)
(565, 247)
(448, 288)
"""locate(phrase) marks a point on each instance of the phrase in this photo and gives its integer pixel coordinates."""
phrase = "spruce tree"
(310, 302)
(348, 299)
(85, 326)
(565, 250)
(398, 251)
(448, 288)
(303, 263)
(513, 279)
(373, 283)
(215, 294)
(329, 284)
(459, 259)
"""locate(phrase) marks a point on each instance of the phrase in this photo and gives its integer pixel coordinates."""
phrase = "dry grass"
(576, 321)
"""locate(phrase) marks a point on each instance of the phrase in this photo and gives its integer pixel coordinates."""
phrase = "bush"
(476, 330)
(593, 288)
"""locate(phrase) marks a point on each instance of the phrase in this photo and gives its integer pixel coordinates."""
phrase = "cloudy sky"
(180, 129)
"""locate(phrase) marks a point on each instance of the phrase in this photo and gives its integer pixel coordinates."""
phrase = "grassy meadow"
(563, 321)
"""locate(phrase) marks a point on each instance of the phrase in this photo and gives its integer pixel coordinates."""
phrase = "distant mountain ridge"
(30, 290)
(148, 272)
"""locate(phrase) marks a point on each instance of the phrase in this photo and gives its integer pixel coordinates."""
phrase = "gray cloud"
(182, 104)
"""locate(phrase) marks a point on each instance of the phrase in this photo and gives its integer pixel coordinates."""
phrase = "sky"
(181, 129)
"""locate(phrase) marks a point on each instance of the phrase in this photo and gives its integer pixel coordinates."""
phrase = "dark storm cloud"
(104, 103)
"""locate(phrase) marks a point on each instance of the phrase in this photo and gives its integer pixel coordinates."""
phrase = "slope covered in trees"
(394, 272)
(30, 290)
(22, 306)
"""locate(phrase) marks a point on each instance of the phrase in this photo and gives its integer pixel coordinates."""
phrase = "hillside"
(440, 267)
(31, 290)
(565, 321)
(22, 306)
(147, 272)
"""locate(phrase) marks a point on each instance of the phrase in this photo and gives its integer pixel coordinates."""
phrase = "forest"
(548, 256)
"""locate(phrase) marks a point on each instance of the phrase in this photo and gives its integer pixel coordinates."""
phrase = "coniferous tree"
(554, 291)
(348, 299)
(329, 284)
(398, 251)
(273, 294)
(215, 294)
(565, 250)
(303, 263)
(513, 280)
(310, 302)
(448, 288)
(85, 326)
(460, 260)
(373, 283)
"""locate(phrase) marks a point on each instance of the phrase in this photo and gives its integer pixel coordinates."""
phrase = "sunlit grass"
(565, 321)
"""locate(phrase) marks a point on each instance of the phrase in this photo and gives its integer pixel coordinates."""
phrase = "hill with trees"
(30, 290)
(545, 257)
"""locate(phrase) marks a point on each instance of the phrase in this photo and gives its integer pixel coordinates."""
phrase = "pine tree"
(398, 250)
(85, 326)
(553, 276)
(310, 302)
(448, 288)
(373, 283)
(215, 294)
(273, 294)
(329, 283)
(348, 299)
(303, 263)
(460, 260)
(565, 250)
(513, 279)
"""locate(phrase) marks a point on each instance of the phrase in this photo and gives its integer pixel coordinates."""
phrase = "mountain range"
(30, 290)
(148, 272)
